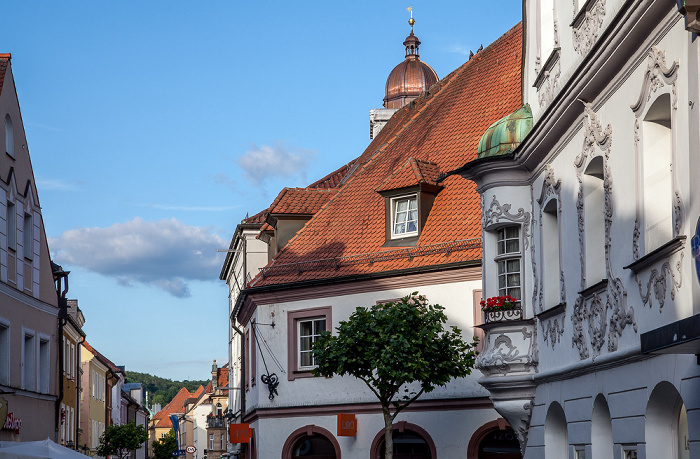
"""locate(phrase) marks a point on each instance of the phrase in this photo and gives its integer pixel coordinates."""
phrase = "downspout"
(79, 383)
(60, 275)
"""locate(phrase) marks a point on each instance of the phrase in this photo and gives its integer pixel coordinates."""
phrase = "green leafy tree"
(163, 447)
(400, 350)
(120, 440)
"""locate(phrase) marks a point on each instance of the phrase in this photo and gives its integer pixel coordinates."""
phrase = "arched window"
(9, 136)
(594, 221)
(410, 441)
(666, 423)
(601, 430)
(556, 437)
(219, 410)
(494, 440)
(550, 254)
(311, 442)
(657, 192)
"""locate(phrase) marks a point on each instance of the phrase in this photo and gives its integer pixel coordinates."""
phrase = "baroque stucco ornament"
(660, 280)
(587, 29)
(551, 189)
(656, 76)
(549, 85)
(615, 293)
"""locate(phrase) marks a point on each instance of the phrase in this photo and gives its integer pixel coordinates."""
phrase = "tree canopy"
(163, 447)
(119, 440)
(161, 390)
(399, 350)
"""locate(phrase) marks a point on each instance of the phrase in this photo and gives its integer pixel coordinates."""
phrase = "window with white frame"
(4, 352)
(657, 186)
(304, 327)
(11, 217)
(44, 367)
(28, 236)
(508, 259)
(404, 216)
(211, 442)
(29, 361)
(9, 136)
(309, 332)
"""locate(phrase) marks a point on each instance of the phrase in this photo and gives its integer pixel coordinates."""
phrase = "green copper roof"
(505, 135)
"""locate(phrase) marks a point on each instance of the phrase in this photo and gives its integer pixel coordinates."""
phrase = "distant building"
(73, 335)
(160, 424)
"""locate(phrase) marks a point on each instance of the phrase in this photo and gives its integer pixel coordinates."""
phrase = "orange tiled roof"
(257, 218)
(305, 201)
(222, 376)
(443, 127)
(4, 61)
(412, 172)
(102, 358)
(333, 179)
(176, 406)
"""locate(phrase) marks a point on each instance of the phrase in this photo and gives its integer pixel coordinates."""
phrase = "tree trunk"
(388, 440)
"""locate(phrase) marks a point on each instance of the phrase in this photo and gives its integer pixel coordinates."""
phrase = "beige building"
(29, 339)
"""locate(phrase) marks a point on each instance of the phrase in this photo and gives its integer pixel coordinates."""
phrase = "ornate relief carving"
(499, 357)
(616, 299)
(656, 75)
(579, 338)
(497, 212)
(550, 85)
(677, 213)
(660, 279)
(551, 188)
(597, 323)
(587, 29)
(552, 331)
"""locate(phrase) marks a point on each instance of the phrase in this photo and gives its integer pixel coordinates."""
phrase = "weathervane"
(411, 21)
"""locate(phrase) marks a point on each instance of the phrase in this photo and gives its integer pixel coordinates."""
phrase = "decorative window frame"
(25, 384)
(551, 191)
(507, 256)
(293, 319)
(6, 325)
(592, 304)
(496, 216)
(309, 431)
(43, 368)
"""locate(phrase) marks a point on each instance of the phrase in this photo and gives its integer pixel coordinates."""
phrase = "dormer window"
(409, 193)
(405, 216)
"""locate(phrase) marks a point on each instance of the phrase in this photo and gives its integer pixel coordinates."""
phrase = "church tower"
(407, 81)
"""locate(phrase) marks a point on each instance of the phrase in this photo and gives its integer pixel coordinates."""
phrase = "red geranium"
(499, 302)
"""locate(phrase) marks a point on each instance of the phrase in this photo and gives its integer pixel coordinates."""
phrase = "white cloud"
(191, 208)
(58, 185)
(264, 162)
(166, 254)
(458, 49)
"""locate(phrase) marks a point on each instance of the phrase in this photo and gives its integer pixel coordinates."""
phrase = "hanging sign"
(347, 425)
(695, 246)
(239, 433)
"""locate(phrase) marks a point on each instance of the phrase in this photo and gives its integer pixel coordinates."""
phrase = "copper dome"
(410, 78)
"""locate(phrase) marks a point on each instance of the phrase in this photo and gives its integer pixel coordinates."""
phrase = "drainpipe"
(59, 276)
(79, 383)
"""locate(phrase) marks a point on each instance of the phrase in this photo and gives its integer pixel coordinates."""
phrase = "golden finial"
(411, 21)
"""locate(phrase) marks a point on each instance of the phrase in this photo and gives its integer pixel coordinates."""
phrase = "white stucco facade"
(603, 193)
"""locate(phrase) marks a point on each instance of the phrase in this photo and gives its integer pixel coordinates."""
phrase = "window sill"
(547, 67)
(8, 154)
(595, 288)
(551, 312)
(655, 255)
(513, 323)
(301, 374)
(409, 241)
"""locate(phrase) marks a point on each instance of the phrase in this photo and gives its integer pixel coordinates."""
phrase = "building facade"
(590, 219)
(390, 223)
(29, 337)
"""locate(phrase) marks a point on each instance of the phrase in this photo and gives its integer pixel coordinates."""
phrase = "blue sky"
(154, 127)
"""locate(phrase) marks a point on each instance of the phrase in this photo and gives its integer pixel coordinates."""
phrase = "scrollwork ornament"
(549, 86)
(660, 279)
(677, 213)
(597, 323)
(656, 75)
(552, 332)
(586, 32)
(579, 338)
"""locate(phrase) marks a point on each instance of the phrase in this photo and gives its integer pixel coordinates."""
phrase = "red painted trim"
(446, 276)
(367, 408)
(480, 434)
(401, 426)
(293, 342)
(310, 431)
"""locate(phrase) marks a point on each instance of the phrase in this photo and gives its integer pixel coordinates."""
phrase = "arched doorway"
(556, 434)
(311, 442)
(666, 423)
(410, 442)
(494, 440)
(601, 430)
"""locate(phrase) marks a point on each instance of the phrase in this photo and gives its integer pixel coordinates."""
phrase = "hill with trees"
(161, 390)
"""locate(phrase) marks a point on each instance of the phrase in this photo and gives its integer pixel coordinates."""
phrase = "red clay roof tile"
(441, 128)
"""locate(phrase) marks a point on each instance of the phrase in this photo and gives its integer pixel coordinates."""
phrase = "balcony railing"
(502, 315)
(215, 421)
